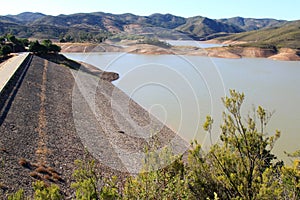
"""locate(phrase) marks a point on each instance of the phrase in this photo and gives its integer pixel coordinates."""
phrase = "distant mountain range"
(89, 25)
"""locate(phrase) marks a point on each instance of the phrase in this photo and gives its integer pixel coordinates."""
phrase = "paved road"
(9, 67)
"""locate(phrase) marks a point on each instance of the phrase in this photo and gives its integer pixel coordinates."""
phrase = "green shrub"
(110, 190)
(42, 191)
(85, 184)
(19, 195)
(158, 183)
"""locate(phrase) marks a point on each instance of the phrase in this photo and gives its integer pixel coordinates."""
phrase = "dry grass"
(34, 165)
(57, 177)
(24, 163)
(42, 170)
(49, 178)
(53, 171)
(47, 173)
(4, 150)
(3, 187)
(35, 175)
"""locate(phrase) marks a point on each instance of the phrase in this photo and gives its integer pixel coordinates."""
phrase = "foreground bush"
(242, 163)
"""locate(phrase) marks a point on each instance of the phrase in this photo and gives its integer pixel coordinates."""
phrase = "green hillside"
(287, 35)
(203, 27)
(250, 24)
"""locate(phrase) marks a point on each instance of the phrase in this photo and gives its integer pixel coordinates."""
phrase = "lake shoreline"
(232, 52)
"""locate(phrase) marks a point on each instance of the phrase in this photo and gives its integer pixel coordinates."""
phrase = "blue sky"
(287, 9)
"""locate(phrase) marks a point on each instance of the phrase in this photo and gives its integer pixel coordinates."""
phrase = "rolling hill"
(99, 25)
(284, 36)
(250, 24)
(26, 17)
(204, 27)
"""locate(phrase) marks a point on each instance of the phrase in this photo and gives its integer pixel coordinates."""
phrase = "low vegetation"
(155, 42)
(84, 36)
(261, 45)
(42, 191)
(240, 166)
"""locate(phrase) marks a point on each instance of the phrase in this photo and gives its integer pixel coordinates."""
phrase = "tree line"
(10, 44)
(83, 36)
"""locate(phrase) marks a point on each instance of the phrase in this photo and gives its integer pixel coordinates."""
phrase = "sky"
(215, 9)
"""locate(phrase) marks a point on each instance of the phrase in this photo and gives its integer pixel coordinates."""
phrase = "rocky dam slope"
(56, 111)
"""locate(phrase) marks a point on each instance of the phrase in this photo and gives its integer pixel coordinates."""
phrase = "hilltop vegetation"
(250, 24)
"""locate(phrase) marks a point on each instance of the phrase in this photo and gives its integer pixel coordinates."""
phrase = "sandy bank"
(88, 47)
(232, 52)
(286, 54)
(148, 50)
(222, 53)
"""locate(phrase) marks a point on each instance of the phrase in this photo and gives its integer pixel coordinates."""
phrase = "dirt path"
(42, 149)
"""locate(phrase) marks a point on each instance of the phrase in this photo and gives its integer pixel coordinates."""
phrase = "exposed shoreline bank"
(232, 52)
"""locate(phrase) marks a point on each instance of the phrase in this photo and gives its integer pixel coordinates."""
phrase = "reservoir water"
(182, 90)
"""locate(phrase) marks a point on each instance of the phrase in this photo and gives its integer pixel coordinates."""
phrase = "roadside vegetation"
(10, 44)
(240, 166)
(45, 47)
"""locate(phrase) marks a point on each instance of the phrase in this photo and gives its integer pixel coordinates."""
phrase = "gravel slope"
(47, 121)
